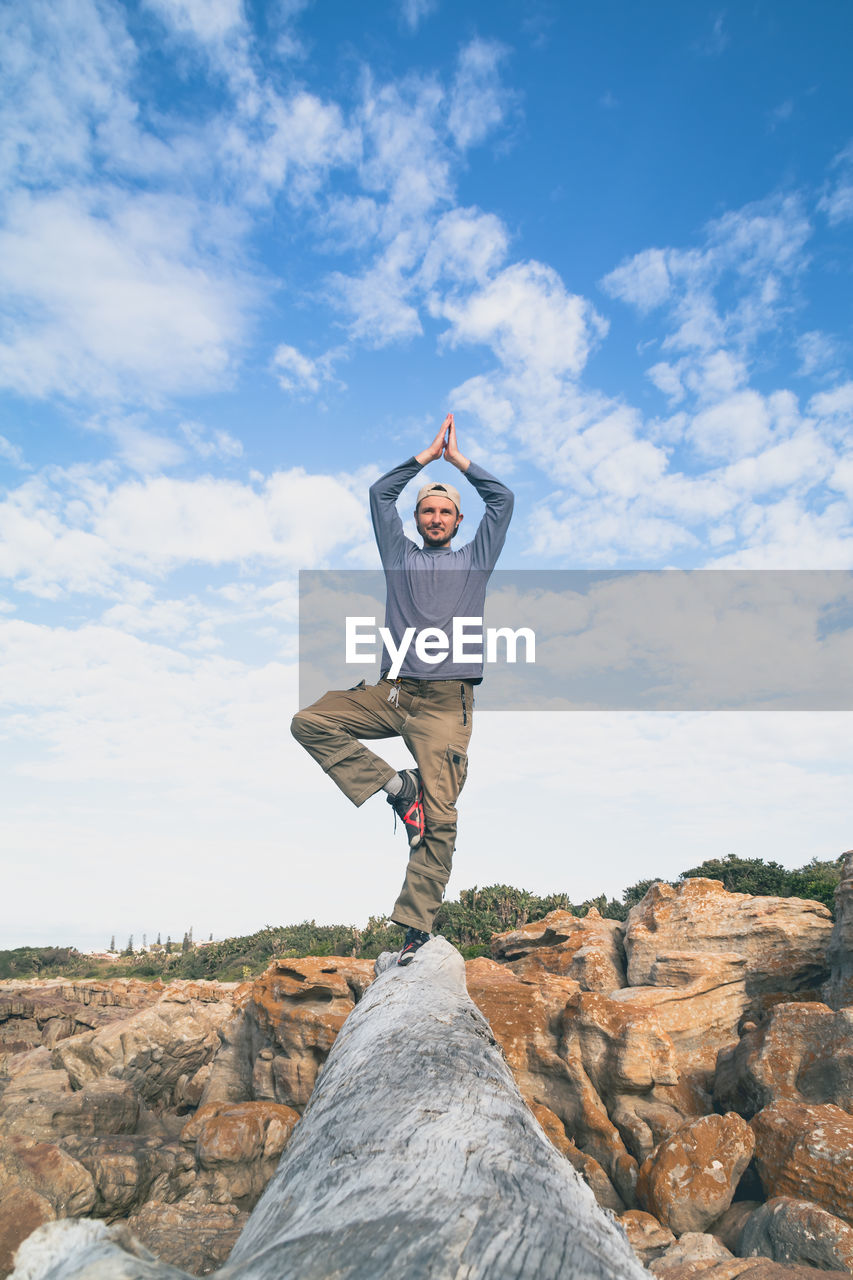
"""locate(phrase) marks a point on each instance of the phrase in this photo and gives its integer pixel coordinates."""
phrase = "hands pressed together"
(445, 443)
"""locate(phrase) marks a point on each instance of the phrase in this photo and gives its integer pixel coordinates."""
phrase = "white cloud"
(738, 425)
(113, 296)
(837, 403)
(466, 245)
(753, 253)
(65, 66)
(209, 21)
(643, 281)
(818, 353)
(295, 144)
(210, 443)
(77, 531)
(478, 100)
(378, 300)
(842, 478)
(667, 379)
(413, 12)
(295, 371)
(529, 319)
(11, 453)
(305, 375)
(837, 201)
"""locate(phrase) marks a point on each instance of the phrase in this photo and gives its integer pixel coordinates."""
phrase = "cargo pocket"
(451, 779)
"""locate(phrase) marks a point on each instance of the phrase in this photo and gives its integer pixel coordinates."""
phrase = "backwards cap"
(446, 491)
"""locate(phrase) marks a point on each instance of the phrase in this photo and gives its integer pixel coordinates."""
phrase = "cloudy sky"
(250, 254)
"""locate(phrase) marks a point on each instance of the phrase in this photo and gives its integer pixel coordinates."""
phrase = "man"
(430, 705)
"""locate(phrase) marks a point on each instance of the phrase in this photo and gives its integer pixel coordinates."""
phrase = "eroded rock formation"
(642, 1049)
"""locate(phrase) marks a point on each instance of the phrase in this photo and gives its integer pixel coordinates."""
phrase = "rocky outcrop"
(446, 1172)
(647, 1237)
(783, 940)
(798, 1232)
(838, 992)
(728, 1228)
(299, 1006)
(691, 1177)
(156, 1051)
(799, 1051)
(241, 1141)
(43, 1012)
(162, 1106)
(744, 1269)
(38, 1183)
(806, 1152)
(195, 1237)
(588, 949)
(689, 1256)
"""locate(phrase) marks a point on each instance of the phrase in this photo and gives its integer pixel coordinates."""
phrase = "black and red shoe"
(414, 940)
(408, 806)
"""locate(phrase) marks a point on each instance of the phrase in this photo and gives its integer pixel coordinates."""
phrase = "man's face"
(437, 520)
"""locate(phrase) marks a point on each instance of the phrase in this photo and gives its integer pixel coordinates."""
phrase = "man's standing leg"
(437, 731)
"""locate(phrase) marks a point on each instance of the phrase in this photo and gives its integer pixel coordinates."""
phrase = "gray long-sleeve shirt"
(430, 586)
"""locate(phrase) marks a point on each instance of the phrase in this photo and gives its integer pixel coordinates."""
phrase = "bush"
(469, 923)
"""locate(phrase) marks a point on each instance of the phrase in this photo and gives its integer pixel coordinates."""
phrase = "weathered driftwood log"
(416, 1157)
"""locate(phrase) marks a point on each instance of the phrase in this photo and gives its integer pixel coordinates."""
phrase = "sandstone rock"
(590, 1170)
(29, 1109)
(197, 1238)
(806, 1152)
(799, 1051)
(698, 1001)
(21, 1211)
(783, 940)
(748, 1268)
(648, 1051)
(228, 1077)
(48, 1171)
(46, 1011)
(242, 1141)
(299, 1006)
(690, 1255)
(587, 949)
(546, 1058)
(691, 1178)
(838, 991)
(728, 1228)
(631, 1063)
(152, 1048)
(38, 1183)
(646, 1236)
(798, 1232)
(128, 1169)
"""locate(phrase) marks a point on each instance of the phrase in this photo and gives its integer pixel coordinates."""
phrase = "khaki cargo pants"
(434, 718)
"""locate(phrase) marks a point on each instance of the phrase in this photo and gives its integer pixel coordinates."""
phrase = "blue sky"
(250, 254)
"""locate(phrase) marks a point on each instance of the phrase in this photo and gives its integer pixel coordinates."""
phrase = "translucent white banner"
(666, 640)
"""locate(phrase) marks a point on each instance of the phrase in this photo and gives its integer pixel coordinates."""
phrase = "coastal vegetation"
(469, 923)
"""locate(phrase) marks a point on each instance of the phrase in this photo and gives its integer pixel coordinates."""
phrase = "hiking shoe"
(415, 939)
(408, 806)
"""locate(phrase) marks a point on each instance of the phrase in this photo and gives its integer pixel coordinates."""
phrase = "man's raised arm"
(488, 541)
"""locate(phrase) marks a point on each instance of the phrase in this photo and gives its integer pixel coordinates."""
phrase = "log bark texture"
(416, 1157)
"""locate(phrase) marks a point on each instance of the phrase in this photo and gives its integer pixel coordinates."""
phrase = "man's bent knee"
(303, 726)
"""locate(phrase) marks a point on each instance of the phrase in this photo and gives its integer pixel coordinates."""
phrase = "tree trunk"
(416, 1157)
